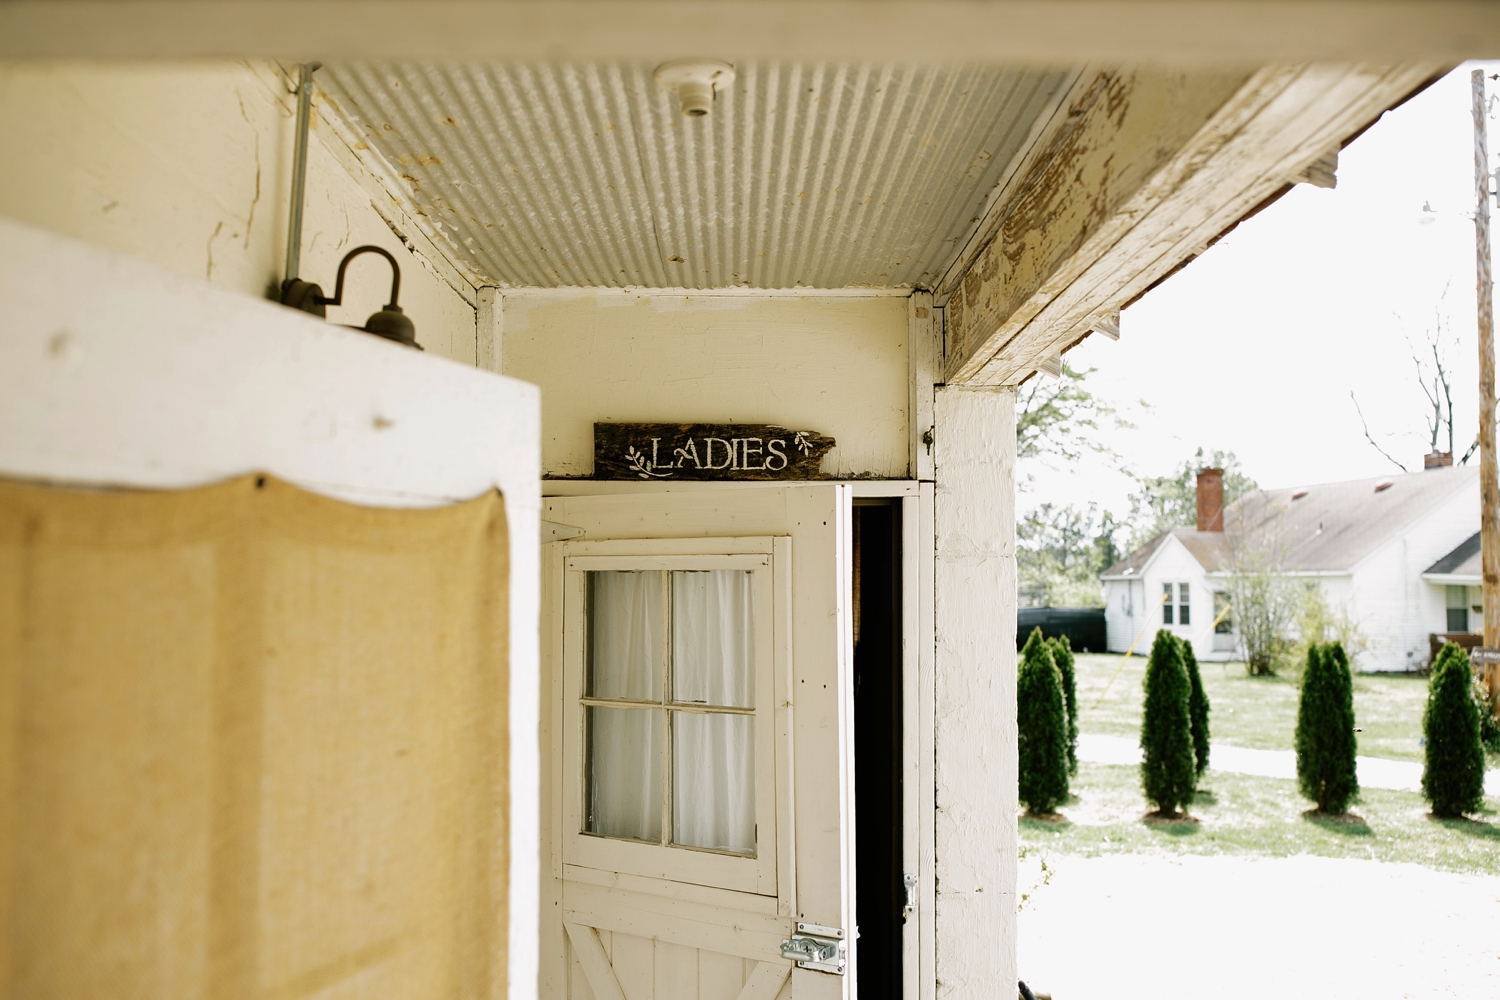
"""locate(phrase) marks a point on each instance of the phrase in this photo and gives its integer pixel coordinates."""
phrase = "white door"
(697, 648)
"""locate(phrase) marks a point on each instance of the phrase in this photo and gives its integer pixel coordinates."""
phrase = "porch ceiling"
(817, 175)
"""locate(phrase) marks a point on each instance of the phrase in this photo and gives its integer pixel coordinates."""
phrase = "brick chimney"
(1437, 460)
(1210, 499)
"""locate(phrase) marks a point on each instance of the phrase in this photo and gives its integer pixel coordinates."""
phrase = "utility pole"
(1489, 484)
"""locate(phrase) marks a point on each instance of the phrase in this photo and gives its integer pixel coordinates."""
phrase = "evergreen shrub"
(1168, 769)
(1453, 774)
(1197, 708)
(1041, 728)
(1062, 655)
(1325, 730)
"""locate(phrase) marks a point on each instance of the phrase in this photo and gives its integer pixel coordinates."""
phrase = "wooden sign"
(707, 451)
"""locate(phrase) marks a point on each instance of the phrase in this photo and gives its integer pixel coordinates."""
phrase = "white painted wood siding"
(1394, 606)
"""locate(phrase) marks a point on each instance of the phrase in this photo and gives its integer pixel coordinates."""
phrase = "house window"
(1184, 609)
(1458, 609)
(1166, 604)
(1223, 623)
(671, 704)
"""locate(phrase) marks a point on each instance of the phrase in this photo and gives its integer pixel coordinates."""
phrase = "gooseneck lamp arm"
(390, 323)
(338, 286)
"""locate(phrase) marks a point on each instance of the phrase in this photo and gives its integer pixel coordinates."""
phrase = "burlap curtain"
(252, 744)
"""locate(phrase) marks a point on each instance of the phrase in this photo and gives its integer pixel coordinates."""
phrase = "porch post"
(975, 616)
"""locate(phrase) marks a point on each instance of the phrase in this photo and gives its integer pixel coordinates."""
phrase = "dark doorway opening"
(878, 879)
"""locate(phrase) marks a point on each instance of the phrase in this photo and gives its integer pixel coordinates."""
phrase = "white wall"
(832, 364)
(188, 166)
(975, 579)
(1393, 605)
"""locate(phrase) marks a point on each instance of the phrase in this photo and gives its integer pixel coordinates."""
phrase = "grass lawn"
(1255, 816)
(1245, 815)
(1256, 712)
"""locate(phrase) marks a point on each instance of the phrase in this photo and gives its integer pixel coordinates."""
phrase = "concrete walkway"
(1374, 772)
(1133, 927)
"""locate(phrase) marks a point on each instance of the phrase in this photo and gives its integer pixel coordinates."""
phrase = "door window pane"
(624, 779)
(624, 654)
(711, 638)
(713, 781)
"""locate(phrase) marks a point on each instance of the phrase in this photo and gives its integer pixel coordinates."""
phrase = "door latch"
(817, 947)
(909, 882)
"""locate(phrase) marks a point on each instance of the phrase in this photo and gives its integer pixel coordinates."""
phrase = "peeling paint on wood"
(1160, 164)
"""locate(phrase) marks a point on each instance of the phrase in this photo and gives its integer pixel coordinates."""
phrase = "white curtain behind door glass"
(625, 772)
(713, 781)
(624, 641)
(624, 745)
(713, 760)
(711, 638)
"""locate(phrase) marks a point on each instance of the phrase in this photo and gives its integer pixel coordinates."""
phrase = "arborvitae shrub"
(1325, 730)
(1168, 770)
(1041, 728)
(1453, 776)
(1062, 655)
(1197, 708)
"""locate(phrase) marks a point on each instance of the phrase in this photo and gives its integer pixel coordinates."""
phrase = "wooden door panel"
(634, 936)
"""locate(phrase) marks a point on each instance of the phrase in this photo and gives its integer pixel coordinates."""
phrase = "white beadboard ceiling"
(811, 175)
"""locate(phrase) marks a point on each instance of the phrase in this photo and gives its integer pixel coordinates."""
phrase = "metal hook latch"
(817, 947)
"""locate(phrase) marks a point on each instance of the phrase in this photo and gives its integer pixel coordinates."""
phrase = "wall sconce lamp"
(390, 322)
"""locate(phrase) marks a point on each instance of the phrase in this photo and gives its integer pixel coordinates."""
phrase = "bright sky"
(1256, 345)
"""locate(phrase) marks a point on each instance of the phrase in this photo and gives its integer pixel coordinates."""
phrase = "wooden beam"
(1157, 165)
(595, 963)
(1033, 32)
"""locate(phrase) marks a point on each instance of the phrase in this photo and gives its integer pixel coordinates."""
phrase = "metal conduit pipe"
(295, 292)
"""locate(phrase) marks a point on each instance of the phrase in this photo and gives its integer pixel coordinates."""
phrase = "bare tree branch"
(1368, 437)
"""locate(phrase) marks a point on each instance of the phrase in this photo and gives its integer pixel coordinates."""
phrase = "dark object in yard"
(1041, 729)
(1025, 991)
(1198, 707)
(1325, 740)
(1084, 627)
(1169, 773)
(1437, 640)
(1453, 774)
(1062, 655)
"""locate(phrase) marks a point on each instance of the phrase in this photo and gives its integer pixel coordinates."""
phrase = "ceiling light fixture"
(695, 82)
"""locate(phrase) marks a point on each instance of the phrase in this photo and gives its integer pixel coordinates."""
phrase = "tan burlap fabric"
(252, 745)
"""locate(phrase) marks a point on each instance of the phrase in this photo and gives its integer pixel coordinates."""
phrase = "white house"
(640, 295)
(1393, 553)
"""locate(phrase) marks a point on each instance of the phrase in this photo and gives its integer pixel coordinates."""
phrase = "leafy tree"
(1167, 502)
(1060, 418)
(1168, 770)
(1325, 730)
(1197, 708)
(1060, 552)
(1453, 774)
(1041, 728)
(1263, 600)
(1062, 655)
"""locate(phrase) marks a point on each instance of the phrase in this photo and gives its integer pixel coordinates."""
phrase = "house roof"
(1210, 548)
(1323, 528)
(1462, 561)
